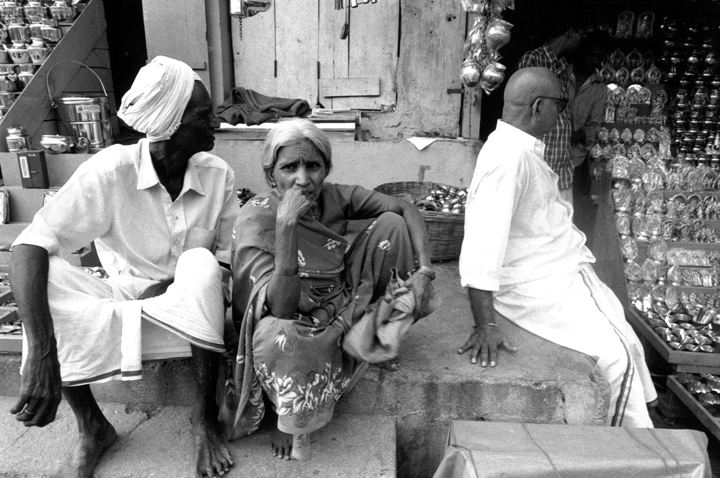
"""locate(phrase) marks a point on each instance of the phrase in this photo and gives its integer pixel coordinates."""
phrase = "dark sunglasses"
(560, 103)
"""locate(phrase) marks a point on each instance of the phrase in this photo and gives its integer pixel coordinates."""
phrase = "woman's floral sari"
(300, 363)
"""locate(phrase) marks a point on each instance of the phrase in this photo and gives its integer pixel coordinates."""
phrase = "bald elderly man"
(161, 214)
(523, 258)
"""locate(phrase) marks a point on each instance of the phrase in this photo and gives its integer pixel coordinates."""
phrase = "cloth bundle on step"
(251, 108)
(377, 335)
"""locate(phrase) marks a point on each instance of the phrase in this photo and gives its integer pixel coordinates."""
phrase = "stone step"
(158, 443)
(541, 383)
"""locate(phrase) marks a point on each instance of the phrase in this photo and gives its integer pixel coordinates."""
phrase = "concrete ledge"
(164, 383)
(541, 383)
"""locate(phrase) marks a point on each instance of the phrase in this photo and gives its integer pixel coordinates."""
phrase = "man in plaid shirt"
(554, 55)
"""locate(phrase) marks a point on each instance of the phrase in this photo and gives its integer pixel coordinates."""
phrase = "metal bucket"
(85, 115)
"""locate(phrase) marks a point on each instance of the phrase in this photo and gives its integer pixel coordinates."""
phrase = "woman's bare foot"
(83, 459)
(281, 445)
(213, 457)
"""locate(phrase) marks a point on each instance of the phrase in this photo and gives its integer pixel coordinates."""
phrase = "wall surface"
(413, 48)
(428, 73)
(368, 164)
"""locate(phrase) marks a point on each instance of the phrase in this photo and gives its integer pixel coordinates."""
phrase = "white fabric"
(567, 195)
(98, 333)
(116, 199)
(526, 249)
(517, 229)
(157, 99)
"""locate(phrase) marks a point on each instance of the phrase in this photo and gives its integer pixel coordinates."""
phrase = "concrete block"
(165, 382)
(368, 164)
(541, 383)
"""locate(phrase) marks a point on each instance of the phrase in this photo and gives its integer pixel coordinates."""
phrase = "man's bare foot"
(213, 457)
(83, 459)
(281, 445)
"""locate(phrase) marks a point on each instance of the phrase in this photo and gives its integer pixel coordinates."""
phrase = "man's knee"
(198, 265)
(58, 268)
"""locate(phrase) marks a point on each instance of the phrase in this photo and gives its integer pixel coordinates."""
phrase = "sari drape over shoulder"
(299, 363)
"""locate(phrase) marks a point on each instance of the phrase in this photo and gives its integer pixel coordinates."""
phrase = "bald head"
(527, 84)
(522, 107)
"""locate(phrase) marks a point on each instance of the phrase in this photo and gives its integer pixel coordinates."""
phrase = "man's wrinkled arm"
(486, 338)
(41, 382)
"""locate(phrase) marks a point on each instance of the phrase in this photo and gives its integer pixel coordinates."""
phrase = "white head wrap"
(155, 103)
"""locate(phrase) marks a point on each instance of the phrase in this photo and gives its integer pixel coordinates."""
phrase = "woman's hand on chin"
(294, 205)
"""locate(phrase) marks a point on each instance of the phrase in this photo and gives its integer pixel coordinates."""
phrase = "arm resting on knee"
(41, 381)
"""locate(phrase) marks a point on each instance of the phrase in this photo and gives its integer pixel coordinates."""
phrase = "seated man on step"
(161, 214)
(522, 257)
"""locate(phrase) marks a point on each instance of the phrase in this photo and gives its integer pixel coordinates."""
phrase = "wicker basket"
(445, 230)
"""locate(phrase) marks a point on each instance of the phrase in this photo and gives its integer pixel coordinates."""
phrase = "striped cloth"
(557, 153)
(581, 313)
(98, 324)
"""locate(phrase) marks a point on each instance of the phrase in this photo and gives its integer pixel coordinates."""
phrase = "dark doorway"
(126, 42)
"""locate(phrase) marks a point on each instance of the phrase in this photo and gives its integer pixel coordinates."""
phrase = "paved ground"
(159, 445)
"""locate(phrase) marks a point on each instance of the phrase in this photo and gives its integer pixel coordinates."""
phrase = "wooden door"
(294, 50)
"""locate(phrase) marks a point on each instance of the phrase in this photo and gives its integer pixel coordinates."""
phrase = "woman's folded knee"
(390, 220)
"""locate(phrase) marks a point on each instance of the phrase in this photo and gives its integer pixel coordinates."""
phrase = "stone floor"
(158, 444)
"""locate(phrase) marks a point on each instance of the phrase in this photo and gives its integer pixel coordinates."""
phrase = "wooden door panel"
(303, 36)
(332, 51)
(177, 28)
(372, 52)
(254, 53)
(296, 49)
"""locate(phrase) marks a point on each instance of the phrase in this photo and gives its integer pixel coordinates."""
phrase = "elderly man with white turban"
(160, 213)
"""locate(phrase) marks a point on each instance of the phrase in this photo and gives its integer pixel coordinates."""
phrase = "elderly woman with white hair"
(160, 213)
(299, 285)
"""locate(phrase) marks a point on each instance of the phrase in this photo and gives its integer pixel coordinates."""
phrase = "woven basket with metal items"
(443, 210)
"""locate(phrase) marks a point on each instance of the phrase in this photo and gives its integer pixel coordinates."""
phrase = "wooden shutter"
(295, 51)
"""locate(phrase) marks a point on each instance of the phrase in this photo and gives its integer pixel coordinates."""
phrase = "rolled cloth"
(155, 103)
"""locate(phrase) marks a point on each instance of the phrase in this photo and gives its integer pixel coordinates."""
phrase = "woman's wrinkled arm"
(284, 288)
(419, 282)
(283, 294)
(418, 233)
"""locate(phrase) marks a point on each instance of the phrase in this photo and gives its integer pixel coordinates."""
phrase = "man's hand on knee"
(41, 388)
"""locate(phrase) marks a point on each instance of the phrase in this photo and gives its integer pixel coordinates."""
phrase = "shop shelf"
(702, 414)
(684, 361)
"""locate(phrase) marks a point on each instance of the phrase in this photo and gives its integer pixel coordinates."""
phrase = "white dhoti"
(98, 324)
(581, 313)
